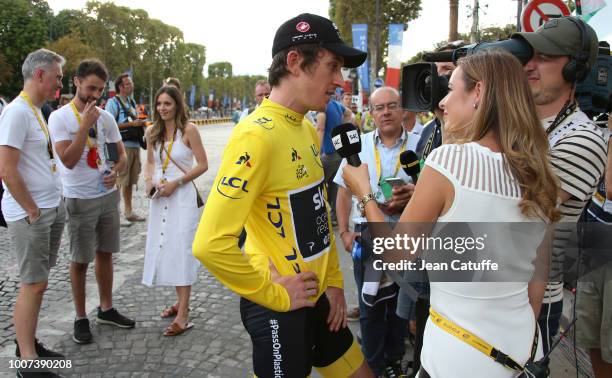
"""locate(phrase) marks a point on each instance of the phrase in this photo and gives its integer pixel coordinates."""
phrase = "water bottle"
(103, 172)
(356, 253)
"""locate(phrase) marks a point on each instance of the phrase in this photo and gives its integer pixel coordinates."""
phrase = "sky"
(241, 31)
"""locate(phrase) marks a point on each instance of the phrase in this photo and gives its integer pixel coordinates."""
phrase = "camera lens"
(423, 88)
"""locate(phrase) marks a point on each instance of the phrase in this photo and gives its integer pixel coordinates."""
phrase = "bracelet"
(343, 232)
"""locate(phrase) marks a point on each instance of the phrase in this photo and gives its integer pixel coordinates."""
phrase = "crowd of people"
(65, 174)
(501, 148)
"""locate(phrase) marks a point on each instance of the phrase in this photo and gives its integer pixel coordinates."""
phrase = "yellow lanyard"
(468, 337)
(167, 160)
(78, 117)
(43, 126)
(377, 156)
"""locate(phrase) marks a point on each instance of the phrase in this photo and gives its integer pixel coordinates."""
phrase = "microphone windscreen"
(346, 140)
(410, 163)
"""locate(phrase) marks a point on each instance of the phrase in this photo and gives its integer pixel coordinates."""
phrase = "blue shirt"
(116, 110)
(333, 117)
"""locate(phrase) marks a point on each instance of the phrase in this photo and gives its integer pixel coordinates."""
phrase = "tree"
(347, 12)
(453, 33)
(72, 48)
(24, 27)
(220, 69)
(68, 21)
(6, 71)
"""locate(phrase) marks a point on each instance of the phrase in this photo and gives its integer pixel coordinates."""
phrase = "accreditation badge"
(92, 158)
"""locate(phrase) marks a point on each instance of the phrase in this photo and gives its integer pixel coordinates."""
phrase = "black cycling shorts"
(288, 344)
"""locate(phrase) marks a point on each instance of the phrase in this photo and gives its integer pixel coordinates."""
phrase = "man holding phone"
(382, 331)
(85, 137)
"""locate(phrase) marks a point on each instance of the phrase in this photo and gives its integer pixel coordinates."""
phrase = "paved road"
(218, 345)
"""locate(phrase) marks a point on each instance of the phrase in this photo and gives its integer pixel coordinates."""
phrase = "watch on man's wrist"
(180, 181)
(363, 201)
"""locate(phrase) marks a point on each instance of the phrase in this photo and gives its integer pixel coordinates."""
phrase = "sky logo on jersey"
(244, 160)
(294, 155)
(232, 187)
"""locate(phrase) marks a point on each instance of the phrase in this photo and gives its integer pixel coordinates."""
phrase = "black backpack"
(135, 134)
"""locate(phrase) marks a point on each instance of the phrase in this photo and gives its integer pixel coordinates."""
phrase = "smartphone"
(394, 181)
(154, 193)
(112, 154)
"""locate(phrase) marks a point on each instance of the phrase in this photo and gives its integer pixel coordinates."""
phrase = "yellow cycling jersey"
(271, 182)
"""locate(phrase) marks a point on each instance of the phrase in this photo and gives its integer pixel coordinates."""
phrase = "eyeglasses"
(392, 106)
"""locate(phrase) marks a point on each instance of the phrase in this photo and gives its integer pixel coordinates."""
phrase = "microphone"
(347, 143)
(410, 164)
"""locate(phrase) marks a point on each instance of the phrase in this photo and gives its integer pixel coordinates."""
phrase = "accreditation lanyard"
(377, 156)
(43, 127)
(167, 160)
(566, 111)
(478, 343)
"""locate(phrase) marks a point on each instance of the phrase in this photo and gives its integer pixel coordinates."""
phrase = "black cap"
(310, 28)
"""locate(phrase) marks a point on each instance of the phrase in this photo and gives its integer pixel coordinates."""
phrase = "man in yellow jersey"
(271, 182)
(32, 202)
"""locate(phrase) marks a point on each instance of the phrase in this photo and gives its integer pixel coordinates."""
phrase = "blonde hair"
(507, 108)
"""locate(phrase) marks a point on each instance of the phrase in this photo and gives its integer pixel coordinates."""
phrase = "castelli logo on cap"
(302, 26)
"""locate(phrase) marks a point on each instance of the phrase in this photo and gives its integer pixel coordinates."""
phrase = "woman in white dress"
(173, 143)
(494, 168)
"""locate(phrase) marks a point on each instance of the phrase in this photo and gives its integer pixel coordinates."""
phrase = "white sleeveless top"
(498, 312)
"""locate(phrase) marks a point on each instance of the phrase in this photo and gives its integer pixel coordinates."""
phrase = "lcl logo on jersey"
(232, 187)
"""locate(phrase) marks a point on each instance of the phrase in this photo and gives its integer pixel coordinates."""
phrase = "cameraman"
(123, 108)
(564, 50)
(594, 297)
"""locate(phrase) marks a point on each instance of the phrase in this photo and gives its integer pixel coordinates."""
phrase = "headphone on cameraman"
(578, 66)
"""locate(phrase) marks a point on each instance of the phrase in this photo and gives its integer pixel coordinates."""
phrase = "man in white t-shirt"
(32, 200)
(564, 50)
(84, 136)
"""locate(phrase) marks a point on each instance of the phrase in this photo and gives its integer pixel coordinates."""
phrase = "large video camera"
(594, 94)
(423, 88)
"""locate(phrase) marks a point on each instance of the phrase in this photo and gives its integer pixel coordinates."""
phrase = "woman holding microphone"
(493, 169)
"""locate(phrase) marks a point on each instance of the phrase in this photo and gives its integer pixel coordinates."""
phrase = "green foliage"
(347, 12)
(220, 69)
(24, 26)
